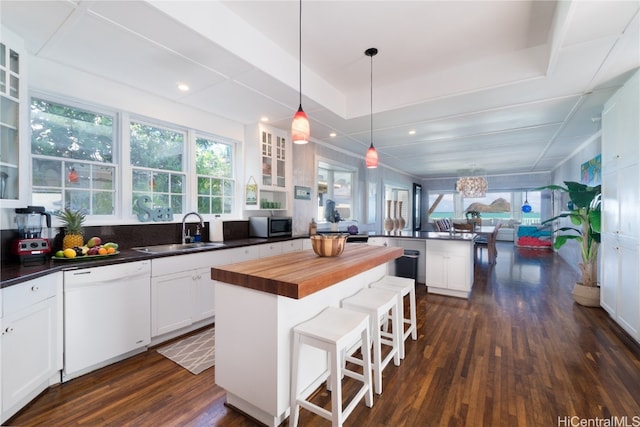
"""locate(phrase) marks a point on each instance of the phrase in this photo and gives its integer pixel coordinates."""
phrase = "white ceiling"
(503, 86)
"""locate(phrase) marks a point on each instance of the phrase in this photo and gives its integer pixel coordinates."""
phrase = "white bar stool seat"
(334, 330)
(403, 286)
(377, 303)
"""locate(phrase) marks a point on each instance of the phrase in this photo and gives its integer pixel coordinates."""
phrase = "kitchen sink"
(178, 247)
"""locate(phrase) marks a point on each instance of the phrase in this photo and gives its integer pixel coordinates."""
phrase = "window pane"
(103, 203)
(442, 206)
(176, 204)
(157, 148)
(103, 177)
(177, 183)
(204, 205)
(51, 199)
(63, 131)
(213, 158)
(161, 182)
(78, 175)
(142, 180)
(47, 173)
(77, 199)
(204, 186)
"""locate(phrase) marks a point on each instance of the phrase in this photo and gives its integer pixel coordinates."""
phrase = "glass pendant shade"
(300, 130)
(371, 159)
(526, 207)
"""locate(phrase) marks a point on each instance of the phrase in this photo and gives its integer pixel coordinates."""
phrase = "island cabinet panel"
(257, 305)
(449, 265)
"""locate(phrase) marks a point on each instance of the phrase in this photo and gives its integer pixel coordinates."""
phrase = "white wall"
(570, 171)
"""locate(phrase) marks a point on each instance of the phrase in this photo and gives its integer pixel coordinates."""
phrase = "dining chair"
(488, 242)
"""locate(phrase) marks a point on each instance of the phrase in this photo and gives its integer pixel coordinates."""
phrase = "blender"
(30, 244)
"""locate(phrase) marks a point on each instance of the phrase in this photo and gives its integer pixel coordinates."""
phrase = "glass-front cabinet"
(12, 91)
(274, 151)
(270, 169)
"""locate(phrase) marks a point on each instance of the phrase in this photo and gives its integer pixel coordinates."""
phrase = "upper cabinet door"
(13, 121)
(275, 154)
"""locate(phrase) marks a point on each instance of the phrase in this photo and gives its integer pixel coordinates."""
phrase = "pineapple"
(72, 222)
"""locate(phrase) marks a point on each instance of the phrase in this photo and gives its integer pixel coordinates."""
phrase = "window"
(72, 158)
(492, 206)
(440, 206)
(214, 169)
(495, 205)
(335, 193)
(157, 161)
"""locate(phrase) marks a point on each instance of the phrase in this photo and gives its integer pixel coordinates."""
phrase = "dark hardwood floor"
(519, 352)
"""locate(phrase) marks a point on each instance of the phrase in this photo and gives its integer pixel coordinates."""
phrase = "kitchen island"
(259, 302)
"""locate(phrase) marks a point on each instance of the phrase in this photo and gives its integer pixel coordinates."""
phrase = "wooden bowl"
(328, 245)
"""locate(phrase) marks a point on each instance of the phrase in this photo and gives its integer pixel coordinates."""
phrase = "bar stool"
(403, 286)
(377, 303)
(334, 330)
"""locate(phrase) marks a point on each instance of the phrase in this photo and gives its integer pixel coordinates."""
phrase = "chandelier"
(472, 186)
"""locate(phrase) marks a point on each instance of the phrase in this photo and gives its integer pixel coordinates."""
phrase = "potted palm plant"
(584, 212)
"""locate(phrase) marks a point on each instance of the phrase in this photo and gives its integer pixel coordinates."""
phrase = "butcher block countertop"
(299, 274)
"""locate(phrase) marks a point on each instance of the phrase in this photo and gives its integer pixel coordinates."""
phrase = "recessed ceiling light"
(264, 119)
(332, 134)
(183, 87)
(412, 132)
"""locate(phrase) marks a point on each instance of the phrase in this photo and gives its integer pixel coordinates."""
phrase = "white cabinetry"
(378, 241)
(268, 161)
(13, 119)
(270, 249)
(620, 254)
(182, 292)
(449, 266)
(292, 245)
(31, 345)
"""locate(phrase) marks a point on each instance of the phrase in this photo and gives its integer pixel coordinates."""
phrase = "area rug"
(195, 353)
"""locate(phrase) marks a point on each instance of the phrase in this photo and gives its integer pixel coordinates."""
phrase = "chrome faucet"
(184, 220)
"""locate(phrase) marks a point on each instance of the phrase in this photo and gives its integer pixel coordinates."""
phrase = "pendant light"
(526, 207)
(371, 159)
(300, 130)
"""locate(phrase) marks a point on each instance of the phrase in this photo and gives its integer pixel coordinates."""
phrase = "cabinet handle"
(35, 288)
(7, 331)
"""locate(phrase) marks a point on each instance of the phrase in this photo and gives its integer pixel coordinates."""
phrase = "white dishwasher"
(107, 315)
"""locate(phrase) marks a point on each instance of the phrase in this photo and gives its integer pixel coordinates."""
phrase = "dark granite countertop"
(13, 272)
